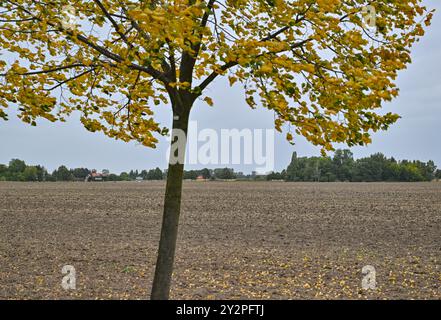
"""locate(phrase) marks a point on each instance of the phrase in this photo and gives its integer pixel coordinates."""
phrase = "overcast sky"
(415, 136)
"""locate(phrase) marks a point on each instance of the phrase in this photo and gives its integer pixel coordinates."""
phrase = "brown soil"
(237, 240)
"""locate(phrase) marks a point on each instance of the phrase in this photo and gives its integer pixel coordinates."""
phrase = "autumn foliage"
(316, 64)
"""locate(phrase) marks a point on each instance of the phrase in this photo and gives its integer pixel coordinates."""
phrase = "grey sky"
(415, 136)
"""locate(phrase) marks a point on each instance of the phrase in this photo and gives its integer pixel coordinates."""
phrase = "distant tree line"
(18, 170)
(340, 167)
(343, 167)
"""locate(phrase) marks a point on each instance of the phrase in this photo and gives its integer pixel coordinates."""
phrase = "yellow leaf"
(232, 80)
(209, 101)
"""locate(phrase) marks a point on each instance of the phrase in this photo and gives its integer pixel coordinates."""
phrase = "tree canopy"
(316, 64)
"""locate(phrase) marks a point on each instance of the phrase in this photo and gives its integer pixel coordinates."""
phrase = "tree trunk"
(172, 208)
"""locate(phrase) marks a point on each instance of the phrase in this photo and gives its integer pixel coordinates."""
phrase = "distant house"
(97, 176)
(139, 179)
(200, 178)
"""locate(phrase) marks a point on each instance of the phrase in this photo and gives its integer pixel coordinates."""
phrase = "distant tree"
(62, 174)
(41, 173)
(80, 173)
(292, 172)
(124, 176)
(270, 176)
(158, 174)
(113, 177)
(30, 173)
(409, 172)
(283, 174)
(311, 169)
(225, 173)
(438, 174)
(152, 174)
(15, 170)
(327, 172)
(370, 169)
(206, 173)
(274, 176)
(50, 177)
(16, 166)
(133, 174)
(3, 170)
(304, 169)
(191, 174)
(392, 171)
(144, 174)
(428, 169)
(343, 161)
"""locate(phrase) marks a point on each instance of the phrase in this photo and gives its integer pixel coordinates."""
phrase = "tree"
(275, 176)
(30, 173)
(191, 175)
(410, 172)
(371, 169)
(327, 170)
(293, 168)
(316, 64)
(16, 166)
(206, 173)
(16, 169)
(41, 173)
(80, 173)
(153, 174)
(224, 173)
(428, 169)
(3, 170)
(133, 174)
(157, 174)
(343, 161)
(114, 177)
(124, 176)
(62, 174)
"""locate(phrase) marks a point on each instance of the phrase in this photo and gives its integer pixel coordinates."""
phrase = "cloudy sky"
(415, 136)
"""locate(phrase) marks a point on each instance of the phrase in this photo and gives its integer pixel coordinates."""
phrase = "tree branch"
(231, 64)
